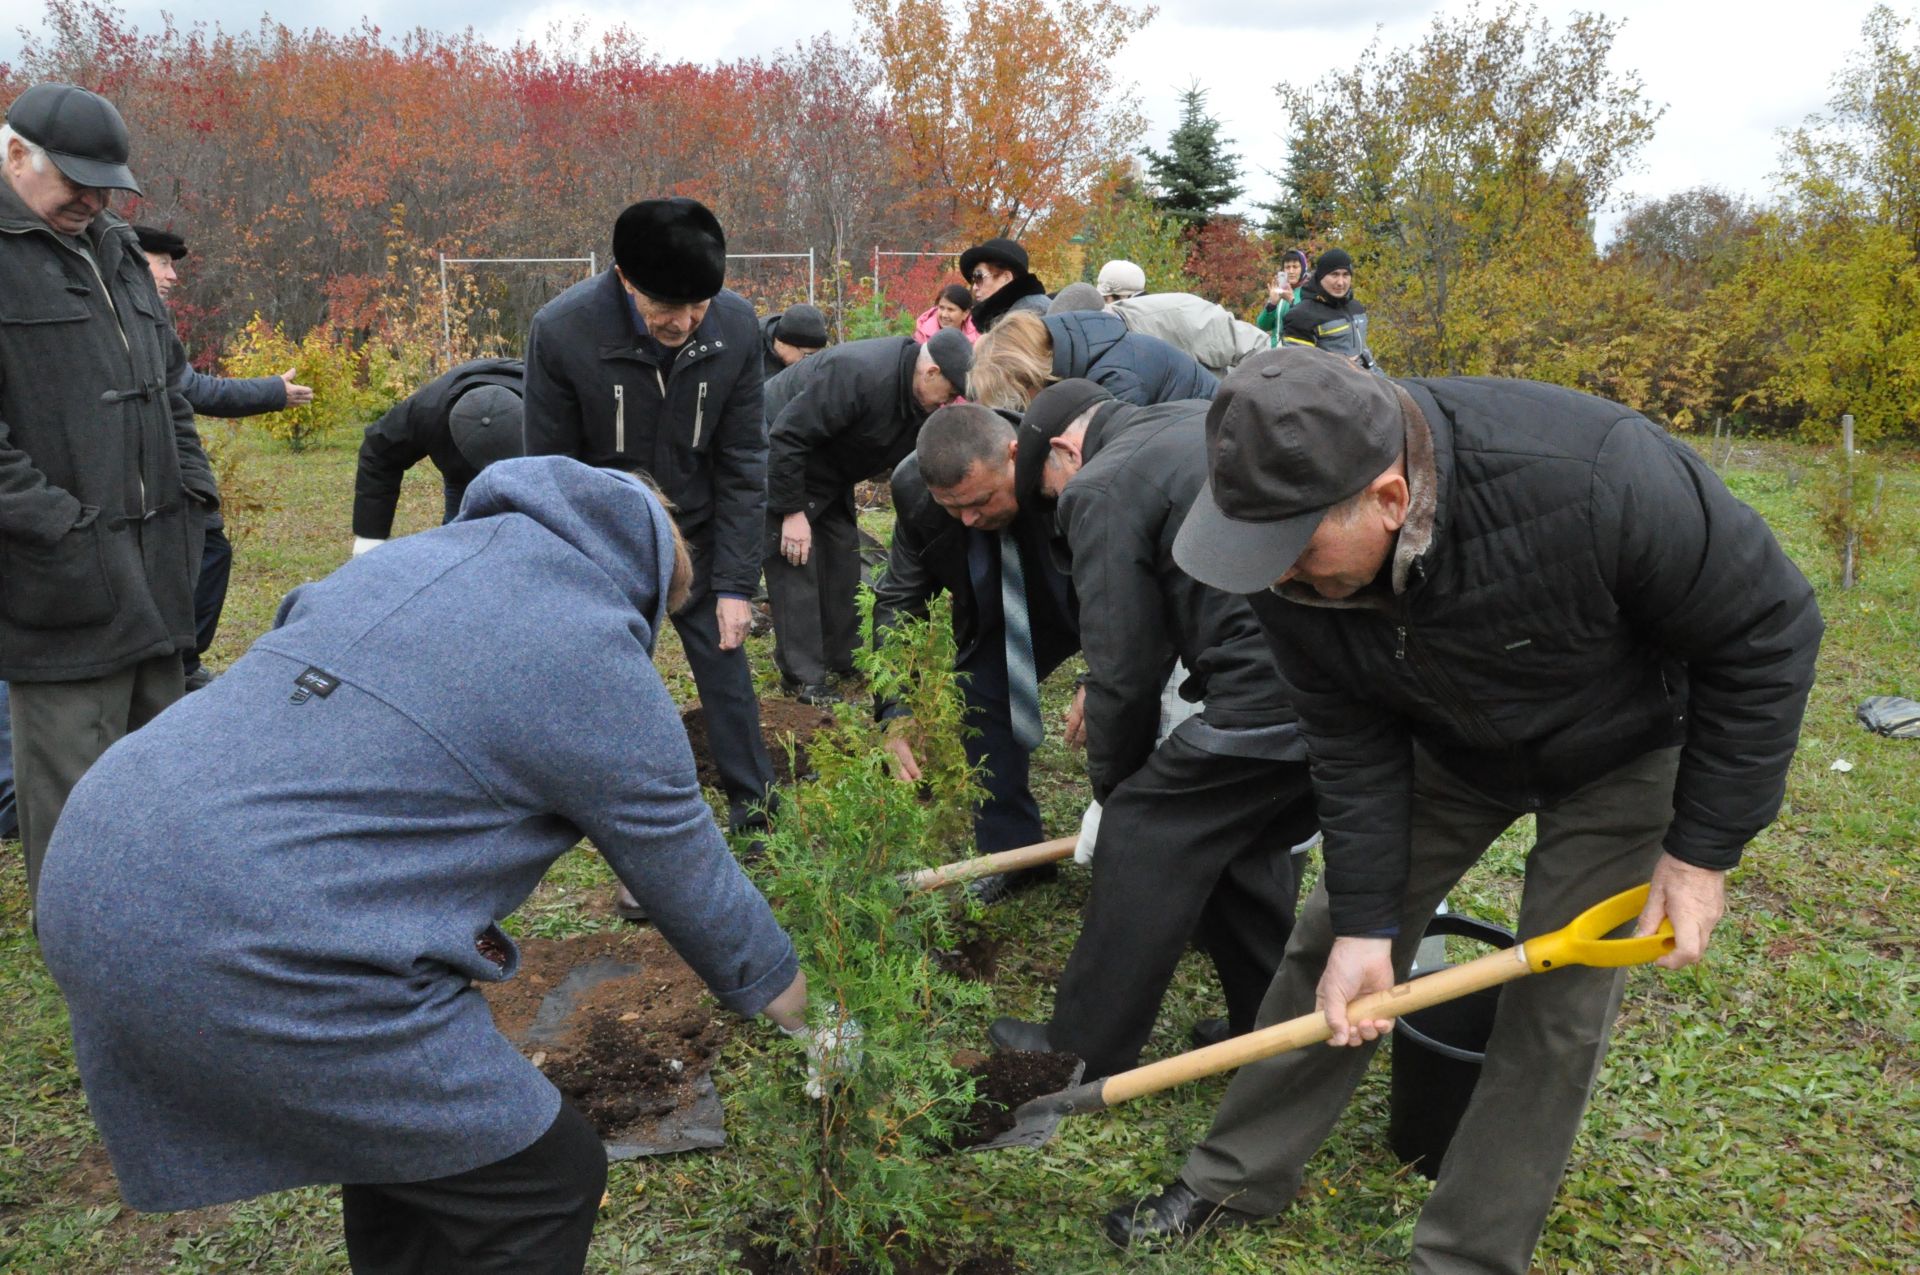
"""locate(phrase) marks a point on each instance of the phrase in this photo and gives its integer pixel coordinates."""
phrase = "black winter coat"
(418, 428)
(100, 467)
(1131, 366)
(1141, 469)
(1573, 589)
(838, 417)
(1333, 323)
(929, 557)
(1022, 292)
(694, 424)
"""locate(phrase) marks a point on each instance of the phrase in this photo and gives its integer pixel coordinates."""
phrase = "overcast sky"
(1730, 75)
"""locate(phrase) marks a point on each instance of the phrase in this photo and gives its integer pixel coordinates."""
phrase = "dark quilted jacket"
(1591, 591)
(1131, 366)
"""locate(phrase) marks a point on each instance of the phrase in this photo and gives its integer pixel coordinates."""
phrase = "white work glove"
(363, 543)
(833, 1051)
(1089, 833)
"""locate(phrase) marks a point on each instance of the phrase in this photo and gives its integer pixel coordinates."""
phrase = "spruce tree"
(1198, 175)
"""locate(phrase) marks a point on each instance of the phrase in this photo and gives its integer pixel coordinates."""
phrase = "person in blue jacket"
(272, 979)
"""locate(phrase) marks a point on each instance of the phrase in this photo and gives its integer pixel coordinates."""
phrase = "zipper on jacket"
(620, 418)
(1474, 723)
(662, 380)
(699, 410)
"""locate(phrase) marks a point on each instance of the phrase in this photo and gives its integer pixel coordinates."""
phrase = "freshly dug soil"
(975, 958)
(630, 1048)
(759, 1258)
(1004, 1081)
(779, 718)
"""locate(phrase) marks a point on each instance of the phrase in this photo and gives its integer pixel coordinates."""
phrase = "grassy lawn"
(1758, 1113)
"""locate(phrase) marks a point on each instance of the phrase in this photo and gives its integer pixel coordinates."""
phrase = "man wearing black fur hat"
(655, 366)
(997, 272)
(462, 422)
(1327, 314)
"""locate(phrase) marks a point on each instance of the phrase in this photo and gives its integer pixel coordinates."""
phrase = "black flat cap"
(1002, 252)
(81, 132)
(161, 242)
(1046, 418)
(671, 249)
(486, 425)
(953, 355)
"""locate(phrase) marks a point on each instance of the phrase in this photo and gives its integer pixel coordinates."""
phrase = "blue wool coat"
(271, 976)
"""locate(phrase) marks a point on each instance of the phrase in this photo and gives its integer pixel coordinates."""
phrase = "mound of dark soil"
(975, 958)
(759, 1258)
(779, 718)
(1004, 1081)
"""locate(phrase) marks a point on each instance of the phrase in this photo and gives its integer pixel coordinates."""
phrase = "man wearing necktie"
(960, 531)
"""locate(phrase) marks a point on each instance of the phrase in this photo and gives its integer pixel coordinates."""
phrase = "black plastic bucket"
(1437, 1053)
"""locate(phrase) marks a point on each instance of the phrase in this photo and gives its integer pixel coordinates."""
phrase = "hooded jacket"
(693, 422)
(1131, 366)
(419, 427)
(271, 977)
(1572, 589)
(100, 466)
(843, 415)
(1141, 468)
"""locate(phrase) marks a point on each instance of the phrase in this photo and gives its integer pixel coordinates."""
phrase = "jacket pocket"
(620, 419)
(699, 414)
(61, 586)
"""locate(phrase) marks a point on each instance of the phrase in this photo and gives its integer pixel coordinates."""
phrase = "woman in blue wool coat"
(271, 977)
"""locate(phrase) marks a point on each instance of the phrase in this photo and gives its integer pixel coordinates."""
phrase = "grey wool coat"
(100, 467)
(271, 977)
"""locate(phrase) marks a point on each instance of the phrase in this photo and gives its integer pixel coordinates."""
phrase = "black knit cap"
(802, 325)
(1331, 260)
(1001, 252)
(671, 249)
(160, 242)
(1046, 418)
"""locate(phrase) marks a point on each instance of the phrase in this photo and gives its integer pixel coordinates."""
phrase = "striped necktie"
(1023, 687)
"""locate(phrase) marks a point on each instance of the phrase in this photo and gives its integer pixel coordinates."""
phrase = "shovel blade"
(1036, 1120)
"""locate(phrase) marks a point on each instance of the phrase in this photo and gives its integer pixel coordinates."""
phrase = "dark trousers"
(61, 728)
(209, 594)
(1194, 847)
(9, 820)
(725, 682)
(1009, 816)
(1550, 1033)
(529, 1214)
(815, 620)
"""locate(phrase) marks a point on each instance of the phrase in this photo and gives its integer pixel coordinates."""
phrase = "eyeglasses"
(979, 277)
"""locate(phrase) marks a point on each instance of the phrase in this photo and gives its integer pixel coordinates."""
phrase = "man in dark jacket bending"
(845, 415)
(959, 529)
(462, 422)
(1196, 834)
(1490, 598)
(654, 366)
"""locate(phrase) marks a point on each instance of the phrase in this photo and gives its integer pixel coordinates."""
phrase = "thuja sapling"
(856, 1187)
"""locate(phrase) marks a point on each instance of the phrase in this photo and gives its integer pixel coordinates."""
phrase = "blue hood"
(609, 517)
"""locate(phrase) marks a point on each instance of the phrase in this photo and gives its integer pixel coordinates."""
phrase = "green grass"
(1758, 1113)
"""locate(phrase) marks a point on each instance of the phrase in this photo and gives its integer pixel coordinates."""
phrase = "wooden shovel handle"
(988, 864)
(1445, 984)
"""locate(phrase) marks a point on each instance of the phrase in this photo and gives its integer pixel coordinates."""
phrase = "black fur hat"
(671, 249)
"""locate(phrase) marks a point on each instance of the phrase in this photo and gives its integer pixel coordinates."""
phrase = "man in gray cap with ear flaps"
(655, 366)
(103, 485)
(1489, 599)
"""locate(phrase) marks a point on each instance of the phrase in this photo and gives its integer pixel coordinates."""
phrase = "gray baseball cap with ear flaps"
(486, 425)
(81, 132)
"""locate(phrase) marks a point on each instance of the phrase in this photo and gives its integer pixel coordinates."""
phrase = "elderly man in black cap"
(797, 332)
(1196, 832)
(208, 395)
(103, 484)
(655, 366)
(959, 529)
(854, 412)
(462, 422)
(997, 272)
(1490, 599)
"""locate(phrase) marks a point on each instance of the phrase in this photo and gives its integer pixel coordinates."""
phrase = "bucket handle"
(1460, 925)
